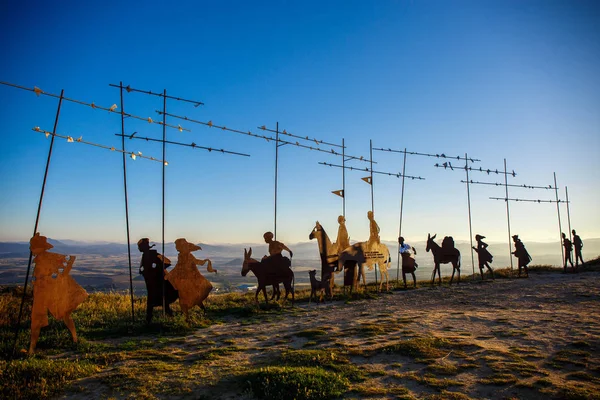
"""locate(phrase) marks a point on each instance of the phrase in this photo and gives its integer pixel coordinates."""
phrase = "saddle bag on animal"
(448, 244)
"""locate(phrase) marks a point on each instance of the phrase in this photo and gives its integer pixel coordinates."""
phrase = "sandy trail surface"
(510, 338)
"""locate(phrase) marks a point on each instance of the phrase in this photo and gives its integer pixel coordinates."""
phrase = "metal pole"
(508, 216)
(126, 202)
(373, 204)
(568, 212)
(164, 150)
(562, 251)
(343, 178)
(276, 162)
(469, 205)
(401, 207)
(37, 219)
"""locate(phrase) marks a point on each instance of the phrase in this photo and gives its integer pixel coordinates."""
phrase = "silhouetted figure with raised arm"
(521, 254)
(568, 248)
(409, 264)
(485, 257)
(153, 267)
(54, 291)
(578, 246)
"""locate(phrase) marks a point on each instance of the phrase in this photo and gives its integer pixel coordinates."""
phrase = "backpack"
(448, 243)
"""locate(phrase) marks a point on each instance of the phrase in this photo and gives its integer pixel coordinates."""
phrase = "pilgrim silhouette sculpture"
(521, 254)
(568, 249)
(343, 239)
(153, 267)
(192, 286)
(408, 262)
(578, 246)
(373, 229)
(275, 248)
(53, 290)
(485, 257)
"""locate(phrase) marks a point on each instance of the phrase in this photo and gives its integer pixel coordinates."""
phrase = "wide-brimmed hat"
(183, 245)
(479, 237)
(515, 237)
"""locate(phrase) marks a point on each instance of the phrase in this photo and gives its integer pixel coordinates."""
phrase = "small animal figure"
(315, 285)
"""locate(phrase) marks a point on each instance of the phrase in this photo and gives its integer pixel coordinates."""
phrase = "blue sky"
(494, 79)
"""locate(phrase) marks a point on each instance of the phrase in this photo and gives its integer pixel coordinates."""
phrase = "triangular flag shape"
(367, 179)
(338, 193)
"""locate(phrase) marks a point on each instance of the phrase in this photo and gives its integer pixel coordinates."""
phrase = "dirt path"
(520, 338)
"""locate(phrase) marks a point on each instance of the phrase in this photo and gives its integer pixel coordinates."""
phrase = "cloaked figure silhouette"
(153, 267)
(521, 254)
(409, 264)
(578, 246)
(485, 257)
(568, 246)
(193, 287)
(53, 290)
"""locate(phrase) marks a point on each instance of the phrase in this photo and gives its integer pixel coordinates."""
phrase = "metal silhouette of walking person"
(522, 255)
(568, 248)
(409, 264)
(578, 244)
(485, 257)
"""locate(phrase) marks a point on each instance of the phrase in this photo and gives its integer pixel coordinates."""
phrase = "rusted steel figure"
(317, 286)
(409, 264)
(443, 255)
(485, 257)
(568, 248)
(153, 267)
(193, 287)
(269, 271)
(53, 290)
(522, 255)
(578, 246)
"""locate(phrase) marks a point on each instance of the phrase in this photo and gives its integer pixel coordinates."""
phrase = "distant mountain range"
(303, 250)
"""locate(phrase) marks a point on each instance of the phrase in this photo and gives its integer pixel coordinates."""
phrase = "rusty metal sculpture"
(153, 267)
(269, 271)
(192, 286)
(53, 290)
(485, 257)
(318, 286)
(409, 265)
(445, 254)
(522, 255)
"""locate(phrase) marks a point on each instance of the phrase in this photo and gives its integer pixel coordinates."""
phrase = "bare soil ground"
(510, 338)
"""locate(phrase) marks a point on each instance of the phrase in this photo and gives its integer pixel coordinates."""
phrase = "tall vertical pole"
(37, 219)
(164, 157)
(126, 201)
(373, 202)
(562, 251)
(568, 212)
(507, 216)
(276, 163)
(469, 206)
(343, 178)
(401, 208)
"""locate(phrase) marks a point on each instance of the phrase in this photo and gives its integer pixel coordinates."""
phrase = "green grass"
(301, 383)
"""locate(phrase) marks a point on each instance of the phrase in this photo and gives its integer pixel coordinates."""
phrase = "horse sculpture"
(359, 253)
(270, 271)
(443, 256)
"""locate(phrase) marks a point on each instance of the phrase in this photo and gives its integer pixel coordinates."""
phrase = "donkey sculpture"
(443, 256)
(359, 253)
(270, 271)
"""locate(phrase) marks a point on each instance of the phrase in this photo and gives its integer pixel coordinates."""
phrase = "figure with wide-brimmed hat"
(153, 267)
(485, 257)
(54, 289)
(521, 254)
(192, 286)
